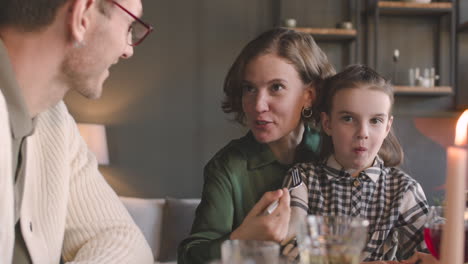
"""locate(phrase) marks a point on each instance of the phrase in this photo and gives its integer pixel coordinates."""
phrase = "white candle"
(454, 229)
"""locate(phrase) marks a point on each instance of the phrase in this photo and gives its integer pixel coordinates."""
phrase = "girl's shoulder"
(395, 173)
(308, 170)
(307, 166)
(397, 178)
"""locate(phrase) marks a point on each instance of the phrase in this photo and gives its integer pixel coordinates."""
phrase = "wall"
(162, 107)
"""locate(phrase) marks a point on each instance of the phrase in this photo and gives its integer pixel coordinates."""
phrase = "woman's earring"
(307, 112)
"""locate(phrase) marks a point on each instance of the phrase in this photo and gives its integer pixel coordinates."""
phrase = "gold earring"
(307, 112)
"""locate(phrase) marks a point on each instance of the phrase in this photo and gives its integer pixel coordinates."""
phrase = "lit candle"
(454, 229)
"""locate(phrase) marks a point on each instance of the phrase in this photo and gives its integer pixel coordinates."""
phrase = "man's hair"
(31, 15)
(363, 77)
(297, 48)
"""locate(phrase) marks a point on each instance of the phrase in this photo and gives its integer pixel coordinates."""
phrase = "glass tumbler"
(250, 252)
(332, 239)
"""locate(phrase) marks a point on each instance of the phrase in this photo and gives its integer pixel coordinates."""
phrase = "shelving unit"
(409, 8)
(375, 9)
(336, 35)
(419, 90)
(329, 34)
(463, 27)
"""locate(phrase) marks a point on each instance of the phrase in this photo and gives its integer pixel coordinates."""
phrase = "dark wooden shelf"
(410, 8)
(329, 34)
(424, 91)
(463, 27)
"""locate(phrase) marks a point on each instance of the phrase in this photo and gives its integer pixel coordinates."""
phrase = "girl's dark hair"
(297, 48)
(357, 76)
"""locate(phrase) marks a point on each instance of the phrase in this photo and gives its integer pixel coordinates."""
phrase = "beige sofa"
(164, 222)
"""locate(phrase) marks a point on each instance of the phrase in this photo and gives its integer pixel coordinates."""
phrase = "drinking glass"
(250, 252)
(332, 239)
(433, 231)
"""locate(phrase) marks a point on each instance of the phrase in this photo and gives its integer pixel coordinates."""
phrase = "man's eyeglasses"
(138, 30)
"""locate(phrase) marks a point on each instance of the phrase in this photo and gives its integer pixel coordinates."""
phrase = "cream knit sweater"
(68, 208)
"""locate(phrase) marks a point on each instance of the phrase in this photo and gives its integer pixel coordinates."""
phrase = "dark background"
(162, 107)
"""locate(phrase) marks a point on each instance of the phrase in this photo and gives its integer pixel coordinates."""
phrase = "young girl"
(356, 173)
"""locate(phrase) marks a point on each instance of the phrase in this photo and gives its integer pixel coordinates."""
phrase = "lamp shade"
(95, 137)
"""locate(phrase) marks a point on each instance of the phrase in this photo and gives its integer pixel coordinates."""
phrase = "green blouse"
(234, 181)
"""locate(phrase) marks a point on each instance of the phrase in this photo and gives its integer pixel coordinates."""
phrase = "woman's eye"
(247, 88)
(277, 87)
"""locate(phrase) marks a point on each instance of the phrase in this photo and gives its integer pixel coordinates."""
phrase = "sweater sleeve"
(98, 227)
(6, 185)
(213, 220)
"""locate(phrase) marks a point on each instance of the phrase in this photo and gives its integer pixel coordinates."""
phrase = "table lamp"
(95, 137)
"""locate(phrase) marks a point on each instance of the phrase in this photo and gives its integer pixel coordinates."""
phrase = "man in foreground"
(54, 203)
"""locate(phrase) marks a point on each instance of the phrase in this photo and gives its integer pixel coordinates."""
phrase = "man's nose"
(128, 52)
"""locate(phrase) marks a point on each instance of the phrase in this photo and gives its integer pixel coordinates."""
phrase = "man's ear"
(325, 120)
(80, 18)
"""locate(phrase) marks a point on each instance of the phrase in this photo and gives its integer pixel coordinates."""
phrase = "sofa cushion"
(178, 215)
(147, 214)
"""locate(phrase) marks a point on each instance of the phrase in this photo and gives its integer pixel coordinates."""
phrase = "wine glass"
(433, 231)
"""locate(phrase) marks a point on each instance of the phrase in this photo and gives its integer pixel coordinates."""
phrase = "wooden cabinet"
(375, 10)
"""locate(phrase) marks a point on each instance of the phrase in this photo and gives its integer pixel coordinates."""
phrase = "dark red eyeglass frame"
(148, 27)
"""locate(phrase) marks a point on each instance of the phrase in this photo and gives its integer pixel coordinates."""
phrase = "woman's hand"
(421, 258)
(273, 227)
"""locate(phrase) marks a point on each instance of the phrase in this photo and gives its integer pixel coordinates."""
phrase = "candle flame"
(461, 132)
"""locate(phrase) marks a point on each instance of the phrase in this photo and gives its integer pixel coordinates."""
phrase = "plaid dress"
(392, 201)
